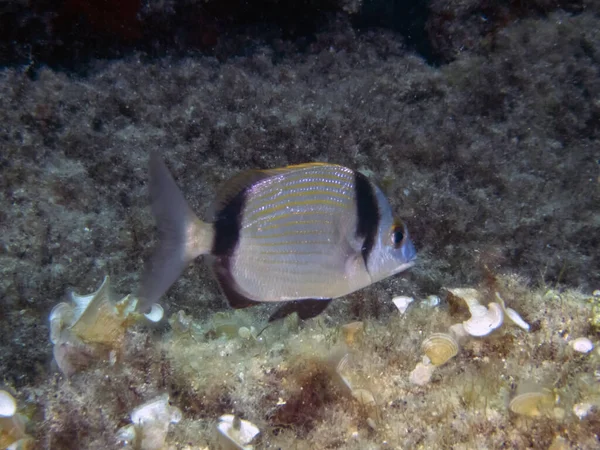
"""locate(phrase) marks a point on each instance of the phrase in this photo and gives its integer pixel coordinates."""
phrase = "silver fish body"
(302, 235)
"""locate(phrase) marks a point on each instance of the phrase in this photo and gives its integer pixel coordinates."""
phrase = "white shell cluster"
(89, 326)
(485, 319)
(439, 348)
(235, 433)
(150, 424)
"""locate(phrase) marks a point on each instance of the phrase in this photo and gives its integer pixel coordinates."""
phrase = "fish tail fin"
(182, 235)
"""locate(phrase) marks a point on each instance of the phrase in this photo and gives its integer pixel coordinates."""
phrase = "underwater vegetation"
(220, 383)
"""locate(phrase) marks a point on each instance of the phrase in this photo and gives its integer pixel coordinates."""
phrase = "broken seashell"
(353, 332)
(127, 436)
(483, 320)
(8, 404)
(402, 302)
(235, 433)
(422, 373)
(12, 425)
(582, 345)
(512, 314)
(533, 403)
(61, 316)
(72, 355)
(246, 333)
(458, 332)
(365, 398)
(90, 326)
(150, 424)
(96, 319)
(469, 296)
(440, 348)
(344, 374)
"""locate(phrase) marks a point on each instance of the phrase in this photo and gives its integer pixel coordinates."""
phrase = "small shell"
(127, 436)
(533, 404)
(582, 345)
(235, 433)
(402, 303)
(582, 409)
(156, 313)
(246, 333)
(516, 318)
(364, 397)
(8, 404)
(483, 323)
(512, 314)
(440, 348)
(353, 332)
(157, 409)
(61, 316)
(421, 374)
(97, 319)
(151, 423)
(430, 302)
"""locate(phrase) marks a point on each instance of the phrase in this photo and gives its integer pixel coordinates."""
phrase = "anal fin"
(306, 309)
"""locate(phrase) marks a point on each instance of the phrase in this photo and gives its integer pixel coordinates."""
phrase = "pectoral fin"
(306, 309)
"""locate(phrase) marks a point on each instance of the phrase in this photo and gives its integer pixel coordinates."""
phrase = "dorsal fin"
(230, 188)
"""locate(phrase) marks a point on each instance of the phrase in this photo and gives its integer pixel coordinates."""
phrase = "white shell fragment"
(150, 424)
(582, 409)
(582, 345)
(422, 373)
(458, 332)
(512, 314)
(61, 316)
(430, 302)
(235, 433)
(156, 313)
(8, 404)
(483, 320)
(402, 302)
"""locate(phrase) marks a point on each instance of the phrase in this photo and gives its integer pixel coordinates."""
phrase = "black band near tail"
(228, 224)
(367, 213)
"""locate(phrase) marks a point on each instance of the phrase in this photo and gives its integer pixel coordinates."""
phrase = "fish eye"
(397, 235)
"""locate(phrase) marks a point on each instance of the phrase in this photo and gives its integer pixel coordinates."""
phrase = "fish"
(301, 235)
